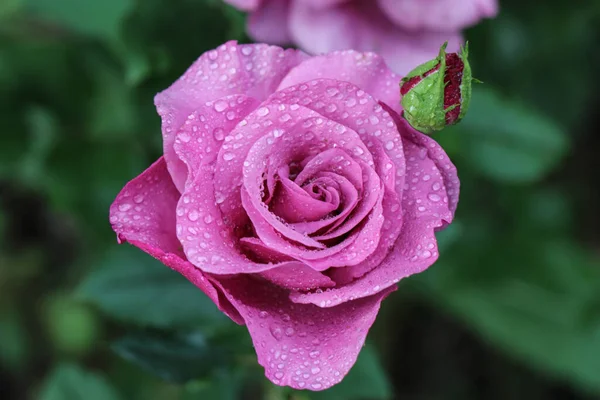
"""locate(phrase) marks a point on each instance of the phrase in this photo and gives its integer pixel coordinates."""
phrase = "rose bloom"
(294, 195)
(405, 32)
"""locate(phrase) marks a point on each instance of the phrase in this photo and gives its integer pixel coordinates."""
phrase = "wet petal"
(367, 71)
(199, 139)
(302, 346)
(210, 241)
(246, 5)
(438, 15)
(143, 214)
(297, 276)
(252, 70)
(428, 205)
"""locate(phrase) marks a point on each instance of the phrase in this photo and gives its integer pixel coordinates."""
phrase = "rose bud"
(432, 100)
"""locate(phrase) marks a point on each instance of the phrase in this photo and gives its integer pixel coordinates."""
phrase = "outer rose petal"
(246, 5)
(200, 137)
(428, 204)
(143, 214)
(438, 15)
(302, 346)
(267, 23)
(322, 3)
(252, 70)
(360, 25)
(368, 71)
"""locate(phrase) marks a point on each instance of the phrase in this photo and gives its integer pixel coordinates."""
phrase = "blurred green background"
(510, 311)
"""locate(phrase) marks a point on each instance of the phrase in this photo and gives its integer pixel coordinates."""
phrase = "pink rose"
(294, 196)
(405, 32)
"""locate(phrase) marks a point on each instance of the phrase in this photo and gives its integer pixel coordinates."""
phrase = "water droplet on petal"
(434, 197)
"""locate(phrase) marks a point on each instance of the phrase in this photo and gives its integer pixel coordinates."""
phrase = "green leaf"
(9, 7)
(222, 385)
(539, 303)
(365, 381)
(508, 141)
(69, 382)
(174, 357)
(128, 283)
(100, 19)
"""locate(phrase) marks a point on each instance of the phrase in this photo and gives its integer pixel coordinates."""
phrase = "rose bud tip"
(432, 100)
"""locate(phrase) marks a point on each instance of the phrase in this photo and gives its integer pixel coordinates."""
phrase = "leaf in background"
(365, 381)
(174, 357)
(128, 284)
(100, 19)
(14, 340)
(222, 385)
(166, 40)
(542, 306)
(112, 109)
(9, 7)
(70, 382)
(507, 141)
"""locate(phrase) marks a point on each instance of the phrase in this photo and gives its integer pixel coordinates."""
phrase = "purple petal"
(267, 22)
(438, 15)
(199, 139)
(428, 204)
(362, 26)
(302, 346)
(230, 69)
(208, 242)
(143, 214)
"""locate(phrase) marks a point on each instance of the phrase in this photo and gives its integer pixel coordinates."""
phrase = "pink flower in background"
(292, 194)
(405, 32)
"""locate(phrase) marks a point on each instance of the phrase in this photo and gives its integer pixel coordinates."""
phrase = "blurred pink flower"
(405, 32)
(292, 193)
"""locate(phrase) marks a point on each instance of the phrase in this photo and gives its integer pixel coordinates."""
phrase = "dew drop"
(434, 197)
(276, 332)
(220, 106)
(193, 215)
(262, 111)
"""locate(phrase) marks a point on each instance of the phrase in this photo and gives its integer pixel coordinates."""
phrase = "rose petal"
(297, 276)
(208, 242)
(367, 71)
(362, 26)
(251, 70)
(267, 22)
(302, 346)
(348, 105)
(143, 214)
(290, 198)
(356, 110)
(428, 205)
(200, 137)
(438, 15)
(255, 248)
(246, 5)
(313, 136)
(233, 153)
(322, 3)
(372, 193)
(343, 188)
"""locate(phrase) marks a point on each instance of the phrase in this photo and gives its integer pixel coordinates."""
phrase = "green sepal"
(466, 83)
(424, 104)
